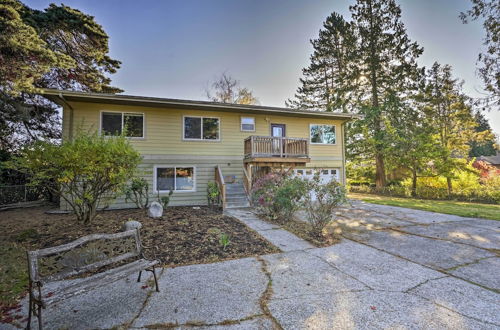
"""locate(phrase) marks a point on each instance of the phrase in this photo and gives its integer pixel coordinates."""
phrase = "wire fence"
(16, 194)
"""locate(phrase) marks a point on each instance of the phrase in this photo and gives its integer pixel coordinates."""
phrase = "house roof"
(493, 160)
(62, 97)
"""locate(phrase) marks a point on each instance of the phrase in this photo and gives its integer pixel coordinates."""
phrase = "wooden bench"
(87, 254)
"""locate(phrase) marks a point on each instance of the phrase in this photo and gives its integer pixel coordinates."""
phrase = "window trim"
(143, 137)
(323, 144)
(247, 130)
(201, 139)
(155, 168)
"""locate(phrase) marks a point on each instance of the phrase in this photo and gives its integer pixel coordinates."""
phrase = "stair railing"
(219, 179)
(247, 183)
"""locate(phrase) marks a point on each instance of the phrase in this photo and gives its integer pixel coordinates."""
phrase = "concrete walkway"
(345, 286)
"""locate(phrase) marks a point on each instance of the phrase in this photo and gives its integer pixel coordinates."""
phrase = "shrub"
(165, 200)
(321, 201)
(86, 172)
(224, 240)
(277, 196)
(138, 192)
(213, 194)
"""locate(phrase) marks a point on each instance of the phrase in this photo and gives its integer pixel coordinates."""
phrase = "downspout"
(71, 114)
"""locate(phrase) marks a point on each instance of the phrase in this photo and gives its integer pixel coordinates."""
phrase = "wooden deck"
(276, 151)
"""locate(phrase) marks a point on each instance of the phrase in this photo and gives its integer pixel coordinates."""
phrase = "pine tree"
(449, 110)
(325, 85)
(486, 144)
(387, 68)
(59, 47)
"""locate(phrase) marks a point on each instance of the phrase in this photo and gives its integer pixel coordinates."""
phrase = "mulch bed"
(329, 236)
(185, 235)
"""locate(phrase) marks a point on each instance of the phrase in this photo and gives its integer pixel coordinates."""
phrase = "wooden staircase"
(236, 196)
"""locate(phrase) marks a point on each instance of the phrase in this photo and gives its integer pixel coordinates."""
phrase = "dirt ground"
(185, 235)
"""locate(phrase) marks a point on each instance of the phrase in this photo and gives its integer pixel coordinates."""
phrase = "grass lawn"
(464, 209)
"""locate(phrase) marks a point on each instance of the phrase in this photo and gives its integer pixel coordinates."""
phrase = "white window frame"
(323, 144)
(123, 116)
(201, 139)
(155, 174)
(241, 124)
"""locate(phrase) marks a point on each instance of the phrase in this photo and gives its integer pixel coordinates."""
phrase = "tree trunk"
(414, 184)
(380, 180)
(450, 188)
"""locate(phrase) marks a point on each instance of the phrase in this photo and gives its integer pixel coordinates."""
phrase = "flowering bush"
(321, 201)
(277, 196)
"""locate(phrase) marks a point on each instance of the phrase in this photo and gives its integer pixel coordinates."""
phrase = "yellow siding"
(163, 133)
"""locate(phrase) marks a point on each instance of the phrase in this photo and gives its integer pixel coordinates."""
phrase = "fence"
(20, 194)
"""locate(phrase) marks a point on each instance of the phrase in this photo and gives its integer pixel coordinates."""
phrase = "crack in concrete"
(438, 239)
(267, 294)
(424, 265)
(194, 324)
(452, 310)
(468, 263)
(150, 293)
(424, 282)
(336, 268)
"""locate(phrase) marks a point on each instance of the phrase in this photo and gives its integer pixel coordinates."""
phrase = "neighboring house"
(491, 160)
(185, 144)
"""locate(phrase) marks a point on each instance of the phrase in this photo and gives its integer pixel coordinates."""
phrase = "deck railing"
(270, 146)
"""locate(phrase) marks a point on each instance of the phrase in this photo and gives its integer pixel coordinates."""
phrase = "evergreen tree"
(325, 85)
(387, 68)
(411, 134)
(486, 144)
(362, 66)
(447, 107)
(58, 47)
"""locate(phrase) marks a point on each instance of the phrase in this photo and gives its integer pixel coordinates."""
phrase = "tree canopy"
(413, 119)
(226, 89)
(59, 47)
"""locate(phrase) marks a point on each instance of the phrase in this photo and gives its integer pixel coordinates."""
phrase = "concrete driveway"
(396, 268)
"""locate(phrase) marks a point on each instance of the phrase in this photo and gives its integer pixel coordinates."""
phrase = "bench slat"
(98, 280)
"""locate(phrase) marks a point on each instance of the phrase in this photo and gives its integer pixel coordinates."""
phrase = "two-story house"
(185, 144)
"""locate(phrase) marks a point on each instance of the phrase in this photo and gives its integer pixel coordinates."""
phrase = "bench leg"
(30, 308)
(39, 317)
(139, 278)
(156, 280)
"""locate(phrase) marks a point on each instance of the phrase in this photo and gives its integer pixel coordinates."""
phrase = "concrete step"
(242, 199)
(237, 205)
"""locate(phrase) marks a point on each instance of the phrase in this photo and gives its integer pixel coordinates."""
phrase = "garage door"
(325, 175)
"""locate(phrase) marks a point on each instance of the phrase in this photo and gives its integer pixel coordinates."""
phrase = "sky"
(174, 49)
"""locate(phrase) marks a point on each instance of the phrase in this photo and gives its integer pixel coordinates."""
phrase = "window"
(322, 134)
(201, 128)
(116, 123)
(174, 178)
(248, 124)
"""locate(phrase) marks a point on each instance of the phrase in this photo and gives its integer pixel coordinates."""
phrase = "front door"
(279, 131)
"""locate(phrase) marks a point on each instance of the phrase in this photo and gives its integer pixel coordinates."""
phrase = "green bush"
(87, 171)
(467, 186)
(321, 201)
(165, 200)
(277, 196)
(137, 191)
(213, 194)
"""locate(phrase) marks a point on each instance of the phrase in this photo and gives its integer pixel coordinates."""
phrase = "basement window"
(174, 178)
